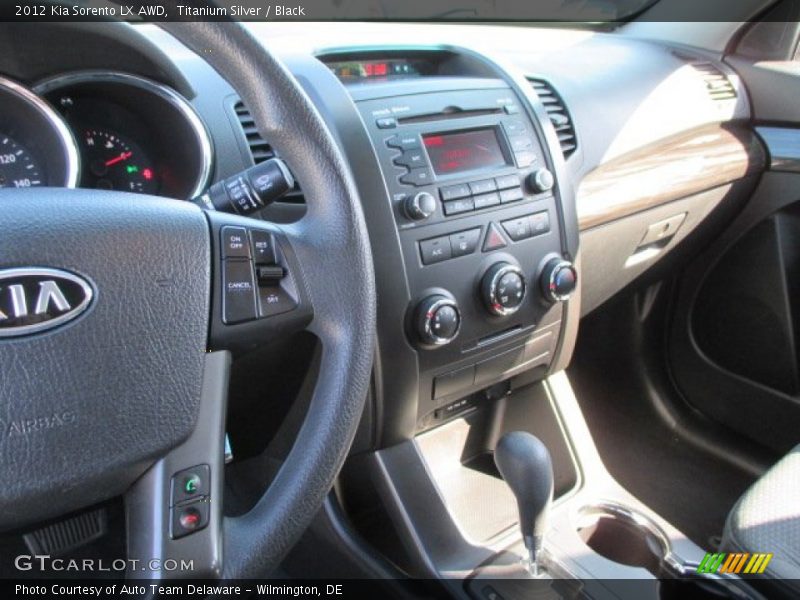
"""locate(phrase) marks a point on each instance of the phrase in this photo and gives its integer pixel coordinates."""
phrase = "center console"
(478, 213)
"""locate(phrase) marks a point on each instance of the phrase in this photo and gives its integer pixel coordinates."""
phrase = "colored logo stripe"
(736, 562)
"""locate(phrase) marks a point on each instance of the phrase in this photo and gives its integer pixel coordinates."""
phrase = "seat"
(767, 519)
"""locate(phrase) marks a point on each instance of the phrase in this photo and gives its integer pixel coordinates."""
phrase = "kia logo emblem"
(33, 300)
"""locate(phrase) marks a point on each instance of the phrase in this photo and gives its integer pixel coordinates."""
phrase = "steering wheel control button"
(190, 483)
(438, 320)
(189, 518)
(540, 223)
(464, 242)
(235, 243)
(435, 250)
(456, 207)
(273, 300)
(238, 291)
(494, 239)
(263, 247)
(518, 229)
(454, 192)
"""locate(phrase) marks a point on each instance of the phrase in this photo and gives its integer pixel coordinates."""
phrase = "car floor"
(680, 480)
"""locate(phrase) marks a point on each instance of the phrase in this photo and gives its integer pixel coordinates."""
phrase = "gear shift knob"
(524, 462)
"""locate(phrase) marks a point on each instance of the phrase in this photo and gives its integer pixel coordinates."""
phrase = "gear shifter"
(524, 462)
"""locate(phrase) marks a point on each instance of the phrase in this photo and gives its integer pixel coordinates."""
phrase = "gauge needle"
(120, 158)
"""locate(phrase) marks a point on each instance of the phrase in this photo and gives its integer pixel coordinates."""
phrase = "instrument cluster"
(102, 130)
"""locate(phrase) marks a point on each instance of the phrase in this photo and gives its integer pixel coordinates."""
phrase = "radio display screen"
(464, 150)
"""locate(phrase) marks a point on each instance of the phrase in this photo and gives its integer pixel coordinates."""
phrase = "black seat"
(766, 519)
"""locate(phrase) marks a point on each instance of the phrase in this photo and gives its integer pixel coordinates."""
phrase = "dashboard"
(511, 182)
(104, 130)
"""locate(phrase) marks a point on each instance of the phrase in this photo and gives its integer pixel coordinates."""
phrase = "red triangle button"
(494, 239)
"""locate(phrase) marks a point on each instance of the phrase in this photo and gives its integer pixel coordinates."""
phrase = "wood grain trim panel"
(676, 167)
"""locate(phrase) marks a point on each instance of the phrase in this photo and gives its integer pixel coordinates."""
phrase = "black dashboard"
(468, 159)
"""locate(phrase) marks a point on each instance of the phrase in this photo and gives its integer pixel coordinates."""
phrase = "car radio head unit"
(459, 151)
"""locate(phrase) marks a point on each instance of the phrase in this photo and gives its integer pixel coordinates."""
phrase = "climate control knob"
(438, 320)
(420, 206)
(503, 289)
(559, 280)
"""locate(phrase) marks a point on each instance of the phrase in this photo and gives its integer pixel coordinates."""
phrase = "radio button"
(518, 229)
(483, 186)
(507, 181)
(417, 177)
(525, 158)
(540, 223)
(411, 159)
(514, 127)
(435, 250)
(386, 123)
(487, 200)
(456, 207)
(520, 142)
(452, 192)
(512, 195)
(465, 242)
(403, 142)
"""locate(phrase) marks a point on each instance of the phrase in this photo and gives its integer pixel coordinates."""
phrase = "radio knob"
(541, 180)
(420, 206)
(503, 289)
(559, 280)
(438, 320)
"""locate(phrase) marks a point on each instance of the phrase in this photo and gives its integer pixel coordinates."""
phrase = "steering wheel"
(130, 393)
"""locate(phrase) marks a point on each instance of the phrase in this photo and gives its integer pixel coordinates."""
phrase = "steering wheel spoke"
(174, 511)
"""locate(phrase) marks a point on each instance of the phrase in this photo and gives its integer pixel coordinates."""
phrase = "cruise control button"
(507, 181)
(273, 300)
(512, 195)
(456, 207)
(403, 142)
(487, 200)
(263, 250)
(435, 250)
(540, 223)
(235, 243)
(484, 186)
(453, 192)
(494, 239)
(411, 159)
(238, 291)
(518, 229)
(464, 242)
(421, 176)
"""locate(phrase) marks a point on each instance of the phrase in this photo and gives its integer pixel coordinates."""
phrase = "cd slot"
(449, 113)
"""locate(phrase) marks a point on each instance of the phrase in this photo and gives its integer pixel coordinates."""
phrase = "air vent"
(559, 115)
(718, 85)
(260, 150)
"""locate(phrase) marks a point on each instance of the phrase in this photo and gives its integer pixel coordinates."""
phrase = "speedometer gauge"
(113, 162)
(18, 167)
